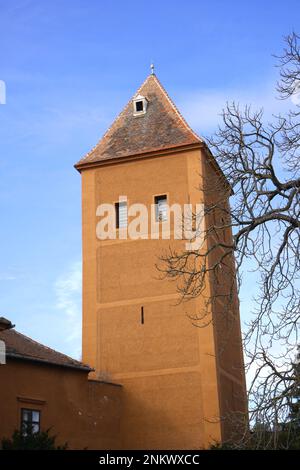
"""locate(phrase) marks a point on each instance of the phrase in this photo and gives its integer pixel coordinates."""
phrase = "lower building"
(45, 389)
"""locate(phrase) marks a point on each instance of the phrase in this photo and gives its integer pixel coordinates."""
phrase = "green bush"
(34, 441)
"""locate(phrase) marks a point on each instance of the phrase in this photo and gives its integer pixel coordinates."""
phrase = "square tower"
(179, 381)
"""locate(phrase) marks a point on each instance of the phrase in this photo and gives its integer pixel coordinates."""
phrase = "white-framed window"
(139, 105)
(30, 421)
(121, 214)
(161, 206)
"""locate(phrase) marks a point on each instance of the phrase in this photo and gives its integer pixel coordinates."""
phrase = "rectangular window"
(121, 214)
(30, 421)
(161, 212)
(139, 106)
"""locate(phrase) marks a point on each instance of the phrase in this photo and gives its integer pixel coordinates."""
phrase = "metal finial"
(152, 69)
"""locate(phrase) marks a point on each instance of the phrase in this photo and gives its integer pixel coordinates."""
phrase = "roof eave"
(136, 156)
(22, 357)
(155, 153)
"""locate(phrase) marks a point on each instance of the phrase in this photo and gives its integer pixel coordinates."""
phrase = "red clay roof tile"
(160, 128)
(19, 346)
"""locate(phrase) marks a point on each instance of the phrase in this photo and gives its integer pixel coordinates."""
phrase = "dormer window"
(139, 105)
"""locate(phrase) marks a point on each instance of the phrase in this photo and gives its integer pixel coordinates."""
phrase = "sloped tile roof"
(19, 346)
(161, 127)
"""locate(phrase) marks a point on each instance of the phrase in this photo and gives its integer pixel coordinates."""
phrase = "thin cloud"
(203, 108)
(7, 277)
(68, 301)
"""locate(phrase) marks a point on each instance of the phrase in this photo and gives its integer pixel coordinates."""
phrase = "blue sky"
(69, 68)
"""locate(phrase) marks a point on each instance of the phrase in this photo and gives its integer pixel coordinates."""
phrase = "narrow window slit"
(142, 315)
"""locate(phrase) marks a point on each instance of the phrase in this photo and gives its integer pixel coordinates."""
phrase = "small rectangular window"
(121, 214)
(30, 421)
(161, 207)
(139, 106)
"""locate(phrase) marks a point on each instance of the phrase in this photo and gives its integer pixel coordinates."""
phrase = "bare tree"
(261, 162)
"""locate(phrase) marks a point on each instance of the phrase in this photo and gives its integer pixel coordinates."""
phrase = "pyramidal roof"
(161, 127)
